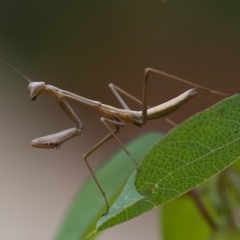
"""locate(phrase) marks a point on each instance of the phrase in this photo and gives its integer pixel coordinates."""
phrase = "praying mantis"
(111, 115)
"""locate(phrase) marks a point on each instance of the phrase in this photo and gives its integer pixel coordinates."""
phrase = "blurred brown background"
(81, 46)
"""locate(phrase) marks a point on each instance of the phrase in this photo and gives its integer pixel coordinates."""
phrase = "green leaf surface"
(88, 205)
(181, 219)
(190, 154)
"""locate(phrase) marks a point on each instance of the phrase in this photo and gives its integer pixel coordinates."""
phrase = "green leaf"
(88, 205)
(190, 154)
(181, 219)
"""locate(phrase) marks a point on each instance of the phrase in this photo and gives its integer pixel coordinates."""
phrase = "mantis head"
(36, 88)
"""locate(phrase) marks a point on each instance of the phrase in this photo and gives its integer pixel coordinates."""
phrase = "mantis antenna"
(15, 69)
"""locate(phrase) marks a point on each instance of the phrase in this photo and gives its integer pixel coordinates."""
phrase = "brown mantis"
(112, 115)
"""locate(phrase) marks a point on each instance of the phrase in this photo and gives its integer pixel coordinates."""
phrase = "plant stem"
(195, 197)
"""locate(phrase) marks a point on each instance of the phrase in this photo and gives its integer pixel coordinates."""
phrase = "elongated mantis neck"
(59, 93)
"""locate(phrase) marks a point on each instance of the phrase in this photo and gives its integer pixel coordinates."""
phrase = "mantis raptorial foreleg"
(70, 112)
(55, 140)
